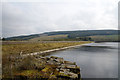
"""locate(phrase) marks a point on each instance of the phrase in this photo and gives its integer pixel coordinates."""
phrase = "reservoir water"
(96, 60)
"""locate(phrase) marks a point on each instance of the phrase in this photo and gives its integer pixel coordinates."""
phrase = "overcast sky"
(22, 18)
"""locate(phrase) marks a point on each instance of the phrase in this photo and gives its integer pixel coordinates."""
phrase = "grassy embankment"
(14, 48)
(10, 50)
(30, 47)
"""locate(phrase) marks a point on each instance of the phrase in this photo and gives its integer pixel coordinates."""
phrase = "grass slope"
(62, 34)
(52, 37)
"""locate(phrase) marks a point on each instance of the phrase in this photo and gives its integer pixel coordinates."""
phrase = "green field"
(106, 38)
(103, 38)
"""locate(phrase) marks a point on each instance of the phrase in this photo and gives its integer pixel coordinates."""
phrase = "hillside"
(82, 35)
(47, 38)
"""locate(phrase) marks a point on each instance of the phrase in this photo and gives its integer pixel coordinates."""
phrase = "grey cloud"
(22, 18)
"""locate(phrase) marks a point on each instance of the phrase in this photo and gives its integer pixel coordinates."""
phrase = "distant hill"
(70, 35)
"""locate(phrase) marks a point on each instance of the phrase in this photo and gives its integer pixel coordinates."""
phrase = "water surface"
(96, 60)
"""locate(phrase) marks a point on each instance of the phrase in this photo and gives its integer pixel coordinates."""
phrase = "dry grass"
(13, 49)
(35, 47)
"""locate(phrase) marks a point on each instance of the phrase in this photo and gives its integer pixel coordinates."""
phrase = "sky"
(33, 17)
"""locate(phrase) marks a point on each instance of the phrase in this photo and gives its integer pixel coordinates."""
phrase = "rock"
(57, 69)
(53, 57)
(68, 62)
(64, 70)
(53, 77)
(57, 59)
(51, 62)
(71, 66)
(67, 74)
(73, 75)
(60, 60)
(51, 68)
(45, 58)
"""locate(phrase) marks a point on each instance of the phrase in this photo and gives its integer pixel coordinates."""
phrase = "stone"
(71, 66)
(55, 68)
(53, 77)
(64, 70)
(61, 60)
(53, 57)
(51, 62)
(68, 62)
(68, 74)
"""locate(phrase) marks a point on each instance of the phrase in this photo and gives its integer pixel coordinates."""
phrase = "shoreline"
(53, 50)
(37, 62)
